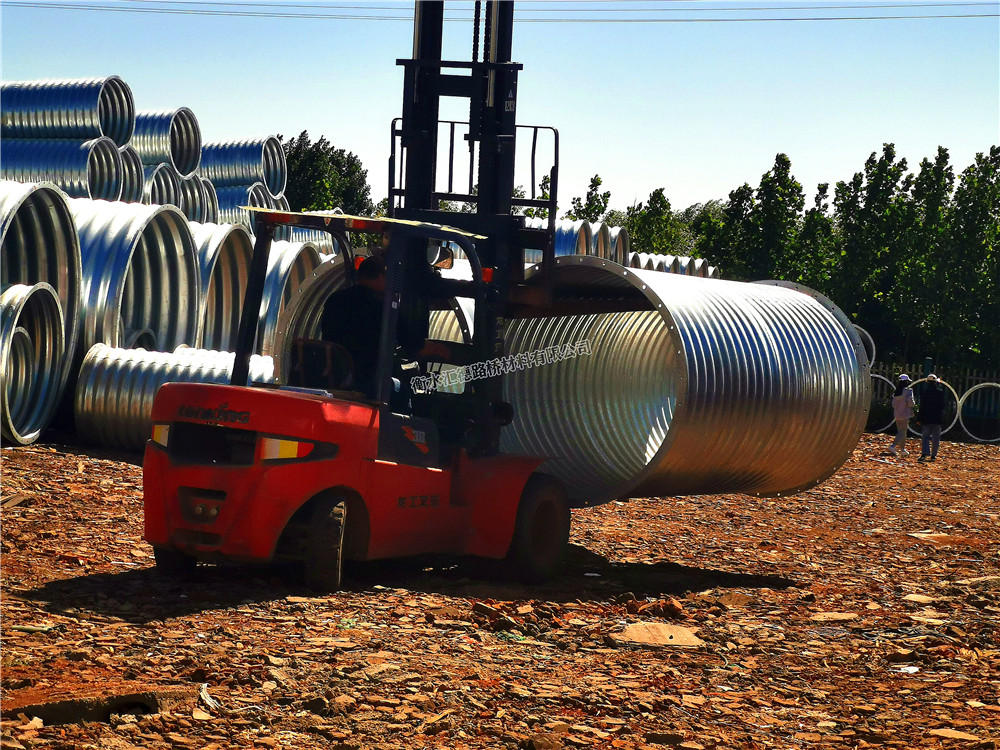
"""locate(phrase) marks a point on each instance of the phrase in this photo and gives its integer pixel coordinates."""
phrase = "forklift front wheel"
(324, 546)
(542, 529)
(173, 562)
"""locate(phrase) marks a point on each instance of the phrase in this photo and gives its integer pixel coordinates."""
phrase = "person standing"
(931, 417)
(902, 410)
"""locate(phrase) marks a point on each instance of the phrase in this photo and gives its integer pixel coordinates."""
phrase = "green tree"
(775, 222)
(655, 228)
(593, 206)
(322, 177)
(817, 245)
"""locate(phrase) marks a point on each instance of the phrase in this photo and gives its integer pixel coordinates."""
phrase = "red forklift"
(320, 475)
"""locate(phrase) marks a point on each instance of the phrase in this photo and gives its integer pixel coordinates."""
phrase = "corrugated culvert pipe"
(235, 163)
(161, 185)
(140, 270)
(194, 202)
(600, 241)
(302, 314)
(39, 243)
(231, 198)
(31, 360)
(224, 252)
(170, 137)
(79, 109)
(289, 265)
(211, 201)
(116, 388)
(133, 176)
(721, 387)
(83, 169)
(621, 247)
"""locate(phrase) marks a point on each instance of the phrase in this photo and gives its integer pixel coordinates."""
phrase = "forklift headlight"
(161, 432)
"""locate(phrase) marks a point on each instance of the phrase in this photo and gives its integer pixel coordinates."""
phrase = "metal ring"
(961, 405)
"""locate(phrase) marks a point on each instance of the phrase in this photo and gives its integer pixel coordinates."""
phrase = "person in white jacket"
(902, 410)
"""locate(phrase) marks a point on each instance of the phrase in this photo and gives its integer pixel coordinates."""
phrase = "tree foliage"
(322, 177)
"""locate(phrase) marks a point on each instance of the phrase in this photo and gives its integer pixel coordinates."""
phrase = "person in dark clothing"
(931, 416)
(352, 317)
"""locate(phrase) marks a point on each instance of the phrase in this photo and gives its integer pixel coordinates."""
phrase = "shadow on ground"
(144, 595)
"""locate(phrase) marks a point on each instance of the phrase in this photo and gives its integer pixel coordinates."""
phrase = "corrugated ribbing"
(140, 270)
(161, 185)
(83, 169)
(115, 391)
(722, 387)
(133, 176)
(232, 198)
(168, 137)
(39, 243)
(79, 109)
(289, 265)
(224, 253)
(229, 163)
(31, 360)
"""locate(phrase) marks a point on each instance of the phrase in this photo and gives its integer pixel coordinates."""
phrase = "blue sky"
(695, 105)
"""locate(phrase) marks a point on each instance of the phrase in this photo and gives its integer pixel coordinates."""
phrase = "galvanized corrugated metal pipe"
(194, 203)
(224, 252)
(233, 163)
(133, 176)
(168, 136)
(600, 241)
(283, 233)
(39, 243)
(211, 201)
(302, 314)
(116, 388)
(161, 185)
(289, 265)
(31, 360)
(83, 169)
(621, 246)
(140, 270)
(721, 387)
(572, 238)
(231, 198)
(81, 109)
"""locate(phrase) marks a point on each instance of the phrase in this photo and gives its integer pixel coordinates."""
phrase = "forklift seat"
(321, 364)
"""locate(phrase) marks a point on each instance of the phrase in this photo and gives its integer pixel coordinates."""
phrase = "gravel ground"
(864, 612)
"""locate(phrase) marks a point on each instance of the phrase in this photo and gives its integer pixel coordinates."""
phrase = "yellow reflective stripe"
(275, 448)
(160, 433)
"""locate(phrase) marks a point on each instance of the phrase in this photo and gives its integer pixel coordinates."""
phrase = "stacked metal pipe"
(168, 137)
(231, 199)
(114, 395)
(140, 270)
(38, 246)
(64, 131)
(288, 266)
(161, 185)
(235, 163)
(133, 176)
(32, 343)
(84, 169)
(224, 252)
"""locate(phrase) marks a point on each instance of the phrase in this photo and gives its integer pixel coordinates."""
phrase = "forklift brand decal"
(419, 501)
(501, 366)
(222, 413)
(417, 437)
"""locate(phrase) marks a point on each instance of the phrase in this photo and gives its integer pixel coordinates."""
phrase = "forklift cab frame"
(411, 285)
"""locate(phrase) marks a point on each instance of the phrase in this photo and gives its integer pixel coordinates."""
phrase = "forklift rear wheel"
(324, 545)
(173, 562)
(542, 530)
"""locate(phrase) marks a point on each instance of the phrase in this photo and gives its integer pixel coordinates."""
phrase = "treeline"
(912, 257)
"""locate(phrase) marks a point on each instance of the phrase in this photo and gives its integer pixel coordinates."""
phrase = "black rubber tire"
(541, 533)
(323, 560)
(173, 562)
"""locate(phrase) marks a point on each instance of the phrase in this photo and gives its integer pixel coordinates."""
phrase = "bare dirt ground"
(864, 612)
